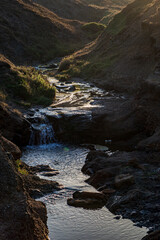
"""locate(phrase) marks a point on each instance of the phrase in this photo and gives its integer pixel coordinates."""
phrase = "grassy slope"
(29, 32)
(74, 9)
(24, 85)
(127, 51)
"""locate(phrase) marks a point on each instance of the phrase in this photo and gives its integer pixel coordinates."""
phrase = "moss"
(20, 167)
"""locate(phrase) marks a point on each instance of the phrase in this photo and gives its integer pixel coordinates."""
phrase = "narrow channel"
(66, 222)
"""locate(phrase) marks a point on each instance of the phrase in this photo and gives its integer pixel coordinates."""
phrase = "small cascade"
(41, 130)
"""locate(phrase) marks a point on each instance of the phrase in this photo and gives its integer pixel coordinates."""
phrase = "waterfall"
(41, 131)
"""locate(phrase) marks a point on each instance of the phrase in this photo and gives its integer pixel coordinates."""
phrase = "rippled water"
(69, 223)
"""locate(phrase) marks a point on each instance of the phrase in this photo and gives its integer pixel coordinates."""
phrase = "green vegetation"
(90, 68)
(44, 51)
(93, 29)
(27, 86)
(20, 167)
(117, 24)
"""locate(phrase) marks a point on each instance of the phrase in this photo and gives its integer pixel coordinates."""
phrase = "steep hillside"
(74, 9)
(85, 10)
(31, 32)
(128, 50)
(24, 85)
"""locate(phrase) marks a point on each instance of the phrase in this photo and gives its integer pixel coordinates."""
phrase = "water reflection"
(69, 223)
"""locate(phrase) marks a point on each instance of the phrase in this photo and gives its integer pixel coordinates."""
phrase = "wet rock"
(41, 168)
(33, 183)
(92, 195)
(151, 143)
(153, 236)
(124, 180)
(90, 200)
(87, 203)
(108, 191)
(72, 125)
(102, 176)
(129, 199)
(50, 174)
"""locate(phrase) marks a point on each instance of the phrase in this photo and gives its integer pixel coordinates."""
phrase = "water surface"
(69, 223)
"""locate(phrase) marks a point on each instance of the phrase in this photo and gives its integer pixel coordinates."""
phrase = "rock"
(117, 217)
(13, 125)
(10, 147)
(33, 183)
(30, 217)
(151, 143)
(87, 203)
(90, 200)
(124, 180)
(89, 195)
(108, 191)
(129, 199)
(42, 168)
(50, 174)
(153, 236)
(102, 176)
(72, 125)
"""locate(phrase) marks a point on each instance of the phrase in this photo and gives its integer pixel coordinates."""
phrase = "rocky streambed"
(126, 176)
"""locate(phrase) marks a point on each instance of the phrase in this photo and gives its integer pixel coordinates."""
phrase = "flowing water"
(66, 222)
(69, 223)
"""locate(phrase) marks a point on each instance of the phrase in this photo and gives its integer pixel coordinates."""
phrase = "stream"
(66, 222)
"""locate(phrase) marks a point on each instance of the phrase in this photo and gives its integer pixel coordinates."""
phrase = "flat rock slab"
(50, 174)
(88, 200)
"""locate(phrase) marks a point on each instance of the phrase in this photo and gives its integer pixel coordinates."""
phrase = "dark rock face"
(72, 125)
(10, 147)
(28, 215)
(130, 182)
(153, 236)
(16, 205)
(36, 186)
(13, 126)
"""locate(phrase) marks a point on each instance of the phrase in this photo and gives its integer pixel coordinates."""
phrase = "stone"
(89, 195)
(50, 174)
(108, 191)
(152, 236)
(124, 180)
(10, 147)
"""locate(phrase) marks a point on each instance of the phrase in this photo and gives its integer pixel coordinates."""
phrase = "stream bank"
(77, 116)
